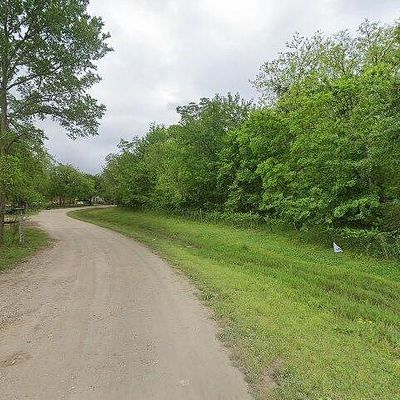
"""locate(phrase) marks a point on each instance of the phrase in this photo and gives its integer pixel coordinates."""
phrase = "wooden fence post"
(21, 227)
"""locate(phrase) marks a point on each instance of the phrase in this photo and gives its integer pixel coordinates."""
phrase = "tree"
(176, 167)
(327, 57)
(48, 50)
(263, 138)
(66, 184)
(34, 164)
(195, 149)
(126, 179)
(339, 98)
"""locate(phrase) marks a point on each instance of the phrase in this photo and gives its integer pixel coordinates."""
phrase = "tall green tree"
(339, 98)
(177, 167)
(198, 141)
(48, 50)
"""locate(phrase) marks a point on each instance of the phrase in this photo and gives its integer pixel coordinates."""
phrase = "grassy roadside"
(12, 252)
(302, 322)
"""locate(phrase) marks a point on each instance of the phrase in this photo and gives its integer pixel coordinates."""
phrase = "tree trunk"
(2, 217)
(3, 143)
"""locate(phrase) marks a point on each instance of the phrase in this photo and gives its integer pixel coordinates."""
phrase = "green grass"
(12, 252)
(312, 324)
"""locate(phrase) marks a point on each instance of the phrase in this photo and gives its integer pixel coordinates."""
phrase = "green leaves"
(23, 175)
(11, 176)
(48, 52)
(177, 167)
(67, 183)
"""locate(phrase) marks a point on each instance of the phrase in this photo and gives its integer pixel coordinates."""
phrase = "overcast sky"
(170, 52)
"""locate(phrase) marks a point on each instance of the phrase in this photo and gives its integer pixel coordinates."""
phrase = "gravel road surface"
(98, 316)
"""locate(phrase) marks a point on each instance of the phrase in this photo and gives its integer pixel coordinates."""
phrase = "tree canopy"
(66, 184)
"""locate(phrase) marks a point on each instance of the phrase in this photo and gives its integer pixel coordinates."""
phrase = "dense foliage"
(322, 149)
(66, 185)
(34, 179)
(24, 174)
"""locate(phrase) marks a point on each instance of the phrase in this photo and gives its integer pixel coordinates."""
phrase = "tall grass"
(369, 242)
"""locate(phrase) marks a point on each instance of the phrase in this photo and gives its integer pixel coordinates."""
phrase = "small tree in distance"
(66, 184)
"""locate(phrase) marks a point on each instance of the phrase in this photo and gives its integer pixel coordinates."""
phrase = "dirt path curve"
(98, 316)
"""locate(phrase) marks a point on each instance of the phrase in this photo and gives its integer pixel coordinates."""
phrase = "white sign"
(336, 248)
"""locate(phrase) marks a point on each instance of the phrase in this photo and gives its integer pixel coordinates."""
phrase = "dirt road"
(98, 316)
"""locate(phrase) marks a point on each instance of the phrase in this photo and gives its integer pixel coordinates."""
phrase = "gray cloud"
(169, 52)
